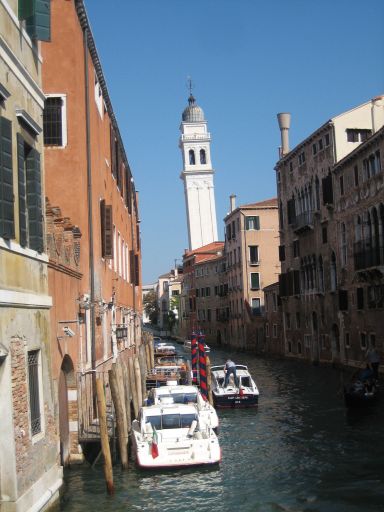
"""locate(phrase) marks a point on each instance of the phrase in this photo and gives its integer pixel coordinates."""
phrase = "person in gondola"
(373, 359)
(230, 369)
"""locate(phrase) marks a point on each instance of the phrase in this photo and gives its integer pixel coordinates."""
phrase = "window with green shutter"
(22, 191)
(7, 220)
(252, 222)
(34, 204)
(255, 281)
(37, 16)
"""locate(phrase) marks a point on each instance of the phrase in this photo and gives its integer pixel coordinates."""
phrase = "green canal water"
(300, 451)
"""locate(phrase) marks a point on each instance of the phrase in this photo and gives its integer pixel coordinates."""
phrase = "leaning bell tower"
(197, 176)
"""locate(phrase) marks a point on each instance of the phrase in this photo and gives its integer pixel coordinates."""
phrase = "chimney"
(377, 110)
(232, 202)
(284, 120)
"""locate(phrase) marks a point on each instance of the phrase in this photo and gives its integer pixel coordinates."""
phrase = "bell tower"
(197, 175)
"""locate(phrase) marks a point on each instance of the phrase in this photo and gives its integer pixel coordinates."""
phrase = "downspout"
(89, 199)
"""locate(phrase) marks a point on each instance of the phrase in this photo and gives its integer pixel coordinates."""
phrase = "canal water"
(300, 451)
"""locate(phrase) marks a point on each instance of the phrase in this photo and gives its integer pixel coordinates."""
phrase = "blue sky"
(249, 60)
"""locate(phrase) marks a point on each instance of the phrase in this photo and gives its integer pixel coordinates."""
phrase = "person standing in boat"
(373, 359)
(230, 369)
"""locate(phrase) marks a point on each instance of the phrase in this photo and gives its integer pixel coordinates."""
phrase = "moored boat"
(243, 393)
(164, 349)
(186, 394)
(172, 435)
(360, 394)
(187, 345)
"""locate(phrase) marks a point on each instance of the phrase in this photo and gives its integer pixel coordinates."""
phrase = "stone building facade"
(96, 283)
(252, 263)
(30, 473)
(359, 218)
(311, 289)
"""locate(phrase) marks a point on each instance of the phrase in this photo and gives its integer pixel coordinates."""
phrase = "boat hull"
(229, 401)
(360, 400)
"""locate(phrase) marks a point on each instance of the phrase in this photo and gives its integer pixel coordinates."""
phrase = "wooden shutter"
(38, 21)
(7, 220)
(34, 207)
(137, 270)
(132, 266)
(106, 219)
(22, 193)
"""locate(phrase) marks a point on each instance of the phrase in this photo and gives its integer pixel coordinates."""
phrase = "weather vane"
(190, 84)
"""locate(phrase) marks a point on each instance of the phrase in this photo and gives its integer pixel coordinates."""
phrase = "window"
(274, 301)
(30, 203)
(255, 281)
(288, 320)
(256, 309)
(229, 236)
(267, 330)
(254, 254)
(363, 340)
(360, 298)
(98, 96)
(320, 144)
(307, 340)
(297, 320)
(55, 121)
(314, 149)
(207, 291)
(252, 223)
(357, 135)
(296, 248)
(301, 158)
(274, 330)
(347, 341)
(7, 219)
(34, 391)
(203, 159)
(356, 175)
(327, 140)
(343, 242)
(106, 230)
(191, 157)
(36, 14)
(324, 234)
(341, 185)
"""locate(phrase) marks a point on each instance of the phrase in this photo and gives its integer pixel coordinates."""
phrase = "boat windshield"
(184, 398)
(171, 421)
(246, 382)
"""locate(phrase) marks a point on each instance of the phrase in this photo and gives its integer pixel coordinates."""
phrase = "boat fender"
(192, 428)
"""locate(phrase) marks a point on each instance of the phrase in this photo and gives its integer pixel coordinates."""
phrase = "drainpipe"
(89, 198)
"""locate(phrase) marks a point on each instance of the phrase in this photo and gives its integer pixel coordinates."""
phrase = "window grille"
(52, 121)
(34, 397)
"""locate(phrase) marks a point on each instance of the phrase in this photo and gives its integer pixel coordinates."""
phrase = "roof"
(193, 113)
(209, 249)
(267, 203)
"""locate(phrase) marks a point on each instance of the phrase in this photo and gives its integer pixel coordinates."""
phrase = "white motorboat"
(172, 435)
(164, 349)
(185, 394)
(187, 346)
(243, 393)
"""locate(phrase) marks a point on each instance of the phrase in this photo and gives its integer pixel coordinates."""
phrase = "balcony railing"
(366, 256)
(303, 221)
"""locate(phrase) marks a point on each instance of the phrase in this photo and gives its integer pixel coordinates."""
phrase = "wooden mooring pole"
(108, 472)
(121, 419)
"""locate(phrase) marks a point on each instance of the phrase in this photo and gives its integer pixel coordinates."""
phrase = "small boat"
(165, 349)
(172, 435)
(186, 394)
(161, 374)
(187, 346)
(172, 361)
(244, 393)
(359, 394)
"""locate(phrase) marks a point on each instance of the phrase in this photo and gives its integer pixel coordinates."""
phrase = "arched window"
(191, 157)
(321, 274)
(203, 158)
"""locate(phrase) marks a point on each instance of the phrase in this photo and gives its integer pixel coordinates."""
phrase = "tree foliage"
(151, 307)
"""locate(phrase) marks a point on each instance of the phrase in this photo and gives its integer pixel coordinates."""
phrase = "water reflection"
(299, 451)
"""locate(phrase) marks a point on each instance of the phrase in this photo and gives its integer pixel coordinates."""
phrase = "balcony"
(366, 255)
(303, 222)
